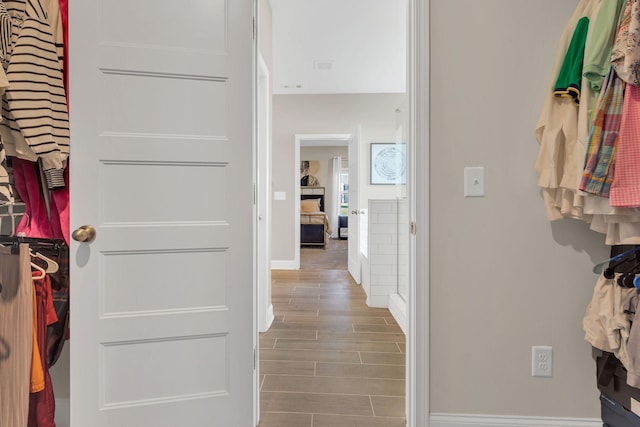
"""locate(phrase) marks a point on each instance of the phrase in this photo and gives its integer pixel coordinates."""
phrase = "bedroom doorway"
(330, 154)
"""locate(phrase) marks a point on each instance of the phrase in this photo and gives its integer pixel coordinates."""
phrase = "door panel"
(161, 130)
(135, 105)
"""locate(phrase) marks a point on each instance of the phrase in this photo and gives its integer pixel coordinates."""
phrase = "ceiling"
(339, 46)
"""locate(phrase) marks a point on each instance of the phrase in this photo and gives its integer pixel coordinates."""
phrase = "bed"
(314, 223)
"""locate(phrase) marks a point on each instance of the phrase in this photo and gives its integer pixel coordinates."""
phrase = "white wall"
(383, 252)
(502, 277)
(324, 114)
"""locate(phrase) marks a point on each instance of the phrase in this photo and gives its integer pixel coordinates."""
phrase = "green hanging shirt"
(597, 55)
(569, 80)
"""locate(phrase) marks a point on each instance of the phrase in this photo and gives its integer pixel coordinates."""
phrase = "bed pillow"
(310, 205)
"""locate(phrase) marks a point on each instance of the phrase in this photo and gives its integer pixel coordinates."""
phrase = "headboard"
(313, 193)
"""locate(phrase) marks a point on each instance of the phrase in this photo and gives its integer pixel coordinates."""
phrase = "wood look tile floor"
(328, 360)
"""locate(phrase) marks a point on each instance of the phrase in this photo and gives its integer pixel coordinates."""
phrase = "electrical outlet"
(541, 361)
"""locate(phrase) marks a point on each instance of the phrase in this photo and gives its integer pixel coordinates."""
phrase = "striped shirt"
(35, 122)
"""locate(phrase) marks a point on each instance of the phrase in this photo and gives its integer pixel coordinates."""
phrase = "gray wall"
(325, 155)
(502, 277)
(324, 114)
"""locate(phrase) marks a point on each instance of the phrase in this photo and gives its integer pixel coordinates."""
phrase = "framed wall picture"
(309, 171)
(388, 163)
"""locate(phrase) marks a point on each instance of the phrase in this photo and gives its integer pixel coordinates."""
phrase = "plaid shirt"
(603, 137)
(625, 191)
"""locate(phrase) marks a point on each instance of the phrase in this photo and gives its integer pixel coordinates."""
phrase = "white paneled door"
(161, 124)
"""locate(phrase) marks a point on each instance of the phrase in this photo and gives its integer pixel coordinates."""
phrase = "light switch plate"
(279, 195)
(474, 181)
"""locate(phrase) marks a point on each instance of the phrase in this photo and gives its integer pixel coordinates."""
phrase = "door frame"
(336, 137)
(262, 199)
(418, 360)
(417, 402)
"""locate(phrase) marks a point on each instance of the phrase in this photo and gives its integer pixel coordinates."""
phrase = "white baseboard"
(464, 420)
(265, 324)
(398, 309)
(270, 318)
(284, 265)
(378, 301)
(63, 413)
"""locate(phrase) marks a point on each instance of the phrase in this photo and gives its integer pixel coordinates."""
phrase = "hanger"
(610, 272)
(40, 269)
(52, 266)
(600, 267)
(628, 277)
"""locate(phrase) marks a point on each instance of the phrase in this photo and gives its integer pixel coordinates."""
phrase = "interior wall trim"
(270, 318)
(284, 265)
(472, 420)
(398, 309)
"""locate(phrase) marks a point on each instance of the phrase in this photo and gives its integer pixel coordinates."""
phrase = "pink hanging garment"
(625, 189)
(35, 222)
(60, 210)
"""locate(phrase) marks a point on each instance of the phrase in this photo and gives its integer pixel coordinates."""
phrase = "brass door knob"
(86, 233)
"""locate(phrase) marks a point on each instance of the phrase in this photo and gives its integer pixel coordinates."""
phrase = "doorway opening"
(329, 153)
(363, 273)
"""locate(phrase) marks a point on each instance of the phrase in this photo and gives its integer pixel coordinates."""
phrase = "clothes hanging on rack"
(63, 6)
(557, 132)
(579, 148)
(35, 128)
(569, 80)
(625, 56)
(612, 326)
(606, 322)
(598, 172)
(42, 401)
(588, 166)
(16, 311)
(597, 55)
(625, 188)
(37, 221)
(34, 159)
(58, 332)
(31, 360)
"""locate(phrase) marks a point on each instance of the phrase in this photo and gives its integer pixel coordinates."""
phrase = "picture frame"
(388, 163)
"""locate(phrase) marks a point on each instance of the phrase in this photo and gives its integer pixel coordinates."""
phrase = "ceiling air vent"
(323, 65)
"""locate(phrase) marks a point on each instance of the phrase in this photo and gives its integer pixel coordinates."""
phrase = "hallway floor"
(333, 257)
(328, 359)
